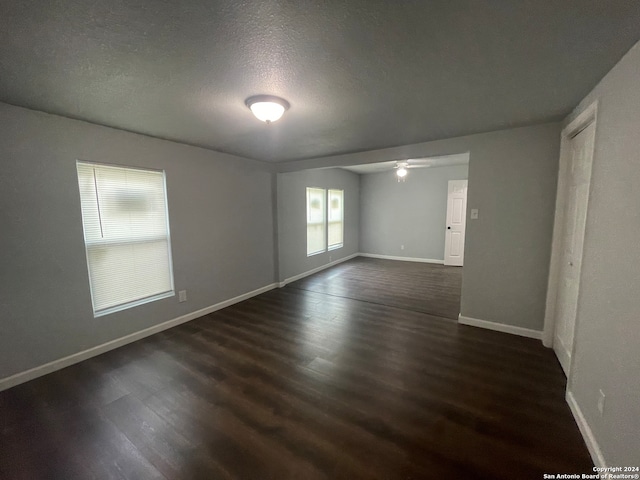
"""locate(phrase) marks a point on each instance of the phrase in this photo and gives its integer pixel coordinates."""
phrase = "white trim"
(590, 114)
(134, 303)
(586, 117)
(564, 355)
(316, 270)
(61, 363)
(453, 193)
(585, 430)
(403, 259)
(500, 327)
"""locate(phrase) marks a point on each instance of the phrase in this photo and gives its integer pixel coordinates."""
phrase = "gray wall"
(221, 217)
(292, 218)
(607, 341)
(410, 213)
(512, 181)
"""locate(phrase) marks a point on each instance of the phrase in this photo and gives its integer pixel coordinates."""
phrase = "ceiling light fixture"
(401, 172)
(267, 108)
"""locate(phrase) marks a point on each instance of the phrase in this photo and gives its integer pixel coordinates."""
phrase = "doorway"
(574, 181)
(456, 223)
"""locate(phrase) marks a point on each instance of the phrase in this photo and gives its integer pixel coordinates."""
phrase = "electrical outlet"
(601, 398)
(182, 296)
(401, 247)
(474, 214)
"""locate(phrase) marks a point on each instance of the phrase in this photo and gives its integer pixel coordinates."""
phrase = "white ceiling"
(359, 74)
(431, 162)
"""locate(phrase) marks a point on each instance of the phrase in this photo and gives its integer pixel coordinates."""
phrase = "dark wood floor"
(295, 384)
(423, 287)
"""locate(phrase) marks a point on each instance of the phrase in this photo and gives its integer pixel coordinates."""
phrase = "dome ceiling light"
(267, 108)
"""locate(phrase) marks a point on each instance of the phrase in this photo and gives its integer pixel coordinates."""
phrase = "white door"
(575, 216)
(456, 223)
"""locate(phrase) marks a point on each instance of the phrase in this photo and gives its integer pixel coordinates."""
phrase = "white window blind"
(126, 234)
(316, 221)
(336, 221)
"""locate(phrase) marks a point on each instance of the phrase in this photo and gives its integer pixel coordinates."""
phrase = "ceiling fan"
(402, 167)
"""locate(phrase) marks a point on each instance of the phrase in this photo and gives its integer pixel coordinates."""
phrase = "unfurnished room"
(319, 240)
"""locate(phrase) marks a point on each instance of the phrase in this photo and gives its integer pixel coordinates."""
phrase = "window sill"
(135, 303)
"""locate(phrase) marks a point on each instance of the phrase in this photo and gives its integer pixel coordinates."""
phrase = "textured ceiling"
(359, 74)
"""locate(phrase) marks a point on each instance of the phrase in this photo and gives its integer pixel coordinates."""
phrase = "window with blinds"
(316, 221)
(126, 234)
(335, 212)
(325, 220)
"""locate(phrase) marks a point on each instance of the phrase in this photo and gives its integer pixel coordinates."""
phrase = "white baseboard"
(370, 255)
(500, 327)
(316, 270)
(564, 356)
(61, 363)
(585, 430)
(403, 259)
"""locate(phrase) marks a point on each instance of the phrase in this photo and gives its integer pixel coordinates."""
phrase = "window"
(323, 204)
(335, 214)
(316, 221)
(126, 235)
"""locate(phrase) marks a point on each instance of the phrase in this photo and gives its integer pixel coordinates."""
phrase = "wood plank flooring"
(296, 384)
(423, 287)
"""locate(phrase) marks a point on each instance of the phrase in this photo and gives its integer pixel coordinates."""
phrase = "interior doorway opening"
(574, 181)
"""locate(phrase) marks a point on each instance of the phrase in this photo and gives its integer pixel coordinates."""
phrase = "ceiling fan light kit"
(267, 108)
(402, 168)
(401, 172)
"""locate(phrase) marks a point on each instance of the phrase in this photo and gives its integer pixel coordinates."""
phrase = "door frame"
(583, 120)
(464, 220)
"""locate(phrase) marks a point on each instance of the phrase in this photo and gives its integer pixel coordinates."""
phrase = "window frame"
(335, 246)
(324, 220)
(326, 209)
(88, 244)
